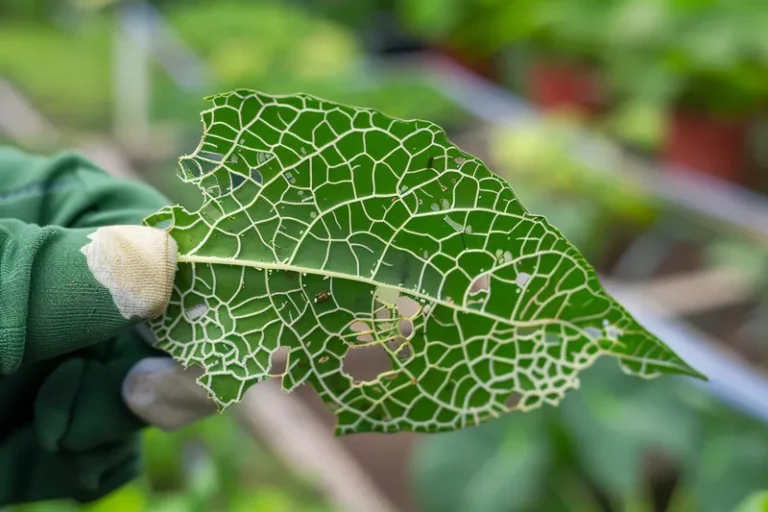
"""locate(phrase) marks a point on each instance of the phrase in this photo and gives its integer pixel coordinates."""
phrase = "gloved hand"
(137, 265)
(84, 440)
(162, 393)
(77, 381)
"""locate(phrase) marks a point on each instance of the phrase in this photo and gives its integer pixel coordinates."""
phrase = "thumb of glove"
(163, 393)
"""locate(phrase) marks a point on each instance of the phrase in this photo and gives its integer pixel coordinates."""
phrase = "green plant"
(296, 51)
(705, 56)
(551, 27)
(554, 155)
(212, 465)
(757, 502)
(326, 228)
(270, 44)
(67, 75)
(617, 445)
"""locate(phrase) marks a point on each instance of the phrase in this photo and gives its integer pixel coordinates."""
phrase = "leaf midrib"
(211, 260)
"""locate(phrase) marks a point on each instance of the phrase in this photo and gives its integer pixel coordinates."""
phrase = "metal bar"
(734, 382)
(690, 293)
(139, 20)
(305, 444)
(20, 120)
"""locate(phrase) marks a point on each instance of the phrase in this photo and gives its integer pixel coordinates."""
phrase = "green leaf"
(502, 466)
(328, 229)
(758, 502)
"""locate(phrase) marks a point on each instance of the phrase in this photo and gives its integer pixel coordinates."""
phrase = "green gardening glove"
(78, 279)
(91, 406)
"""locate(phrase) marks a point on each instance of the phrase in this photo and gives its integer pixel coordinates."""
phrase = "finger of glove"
(96, 468)
(31, 473)
(80, 405)
(163, 393)
(137, 264)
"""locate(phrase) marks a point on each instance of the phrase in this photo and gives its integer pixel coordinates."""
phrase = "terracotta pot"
(712, 145)
(563, 86)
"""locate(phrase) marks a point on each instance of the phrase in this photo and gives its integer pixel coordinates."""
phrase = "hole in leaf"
(400, 347)
(278, 361)
(387, 296)
(406, 306)
(256, 176)
(522, 279)
(612, 332)
(263, 157)
(482, 283)
(513, 400)
(164, 224)
(211, 155)
(362, 327)
(366, 363)
(406, 328)
(204, 163)
(237, 179)
(196, 311)
(594, 332)
(383, 313)
(405, 352)
(551, 338)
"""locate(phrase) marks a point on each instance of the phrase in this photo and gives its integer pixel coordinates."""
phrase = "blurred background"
(636, 126)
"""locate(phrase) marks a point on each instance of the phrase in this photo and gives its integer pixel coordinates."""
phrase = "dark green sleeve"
(50, 303)
(64, 431)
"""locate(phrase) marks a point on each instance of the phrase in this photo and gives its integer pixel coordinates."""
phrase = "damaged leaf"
(327, 229)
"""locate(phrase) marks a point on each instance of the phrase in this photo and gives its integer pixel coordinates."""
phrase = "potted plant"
(709, 65)
(709, 124)
(567, 48)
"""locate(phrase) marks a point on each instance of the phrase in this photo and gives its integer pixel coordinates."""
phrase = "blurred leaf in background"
(586, 194)
(67, 73)
(757, 502)
(616, 433)
(213, 465)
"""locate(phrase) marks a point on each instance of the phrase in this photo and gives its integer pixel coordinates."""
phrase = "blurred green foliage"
(269, 45)
(65, 73)
(574, 184)
(757, 502)
(702, 54)
(606, 444)
(213, 465)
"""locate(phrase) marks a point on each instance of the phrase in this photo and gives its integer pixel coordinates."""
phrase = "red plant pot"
(708, 144)
(562, 86)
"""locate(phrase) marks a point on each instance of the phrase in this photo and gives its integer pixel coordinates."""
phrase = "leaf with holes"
(329, 230)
